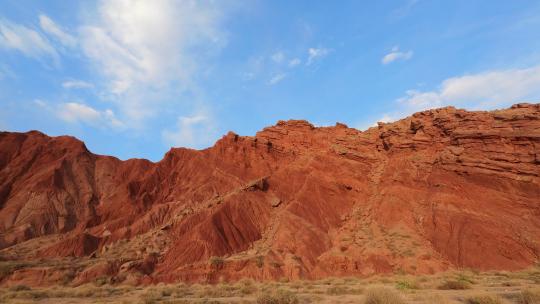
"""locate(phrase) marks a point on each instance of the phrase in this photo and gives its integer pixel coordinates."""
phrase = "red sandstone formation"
(441, 189)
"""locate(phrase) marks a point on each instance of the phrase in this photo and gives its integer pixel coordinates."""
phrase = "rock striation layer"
(442, 189)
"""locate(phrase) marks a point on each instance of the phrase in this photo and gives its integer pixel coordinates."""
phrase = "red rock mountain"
(442, 189)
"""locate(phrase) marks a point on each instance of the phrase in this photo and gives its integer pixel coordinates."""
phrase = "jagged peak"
(295, 123)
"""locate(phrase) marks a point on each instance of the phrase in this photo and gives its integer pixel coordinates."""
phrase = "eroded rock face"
(441, 189)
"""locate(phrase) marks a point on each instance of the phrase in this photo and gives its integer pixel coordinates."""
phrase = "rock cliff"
(442, 189)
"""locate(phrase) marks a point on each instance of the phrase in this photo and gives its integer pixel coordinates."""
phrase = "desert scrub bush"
(422, 279)
(435, 298)
(307, 285)
(534, 276)
(32, 294)
(19, 288)
(101, 281)
(382, 296)
(296, 285)
(68, 277)
(247, 290)
(484, 299)
(279, 297)
(329, 281)
(227, 290)
(246, 286)
(86, 291)
(406, 284)
(151, 297)
(342, 290)
(351, 280)
(8, 267)
(529, 297)
(454, 285)
(63, 293)
(167, 291)
(464, 278)
(216, 261)
(259, 261)
(337, 290)
(218, 291)
(182, 291)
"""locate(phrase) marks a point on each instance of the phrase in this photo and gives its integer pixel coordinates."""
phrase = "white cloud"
(278, 57)
(486, 89)
(40, 103)
(148, 51)
(294, 62)
(73, 112)
(277, 78)
(316, 54)
(77, 84)
(51, 28)
(25, 40)
(194, 131)
(396, 54)
(386, 118)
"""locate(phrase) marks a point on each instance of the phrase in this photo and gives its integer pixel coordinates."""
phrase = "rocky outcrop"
(442, 189)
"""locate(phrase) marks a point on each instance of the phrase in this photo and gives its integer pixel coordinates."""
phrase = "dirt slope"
(441, 189)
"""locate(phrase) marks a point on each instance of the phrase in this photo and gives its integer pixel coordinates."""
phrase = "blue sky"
(133, 78)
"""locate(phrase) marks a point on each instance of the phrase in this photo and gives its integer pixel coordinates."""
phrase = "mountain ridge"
(440, 189)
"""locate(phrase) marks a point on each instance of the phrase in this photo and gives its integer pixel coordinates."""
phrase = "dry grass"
(446, 288)
(435, 298)
(484, 299)
(343, 290)
(529, 296)
(382, 296)
(455, 285)
(279, 297)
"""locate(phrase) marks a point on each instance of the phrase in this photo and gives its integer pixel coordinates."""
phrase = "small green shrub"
(216, 262)
(405, 284)
(464, 278)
